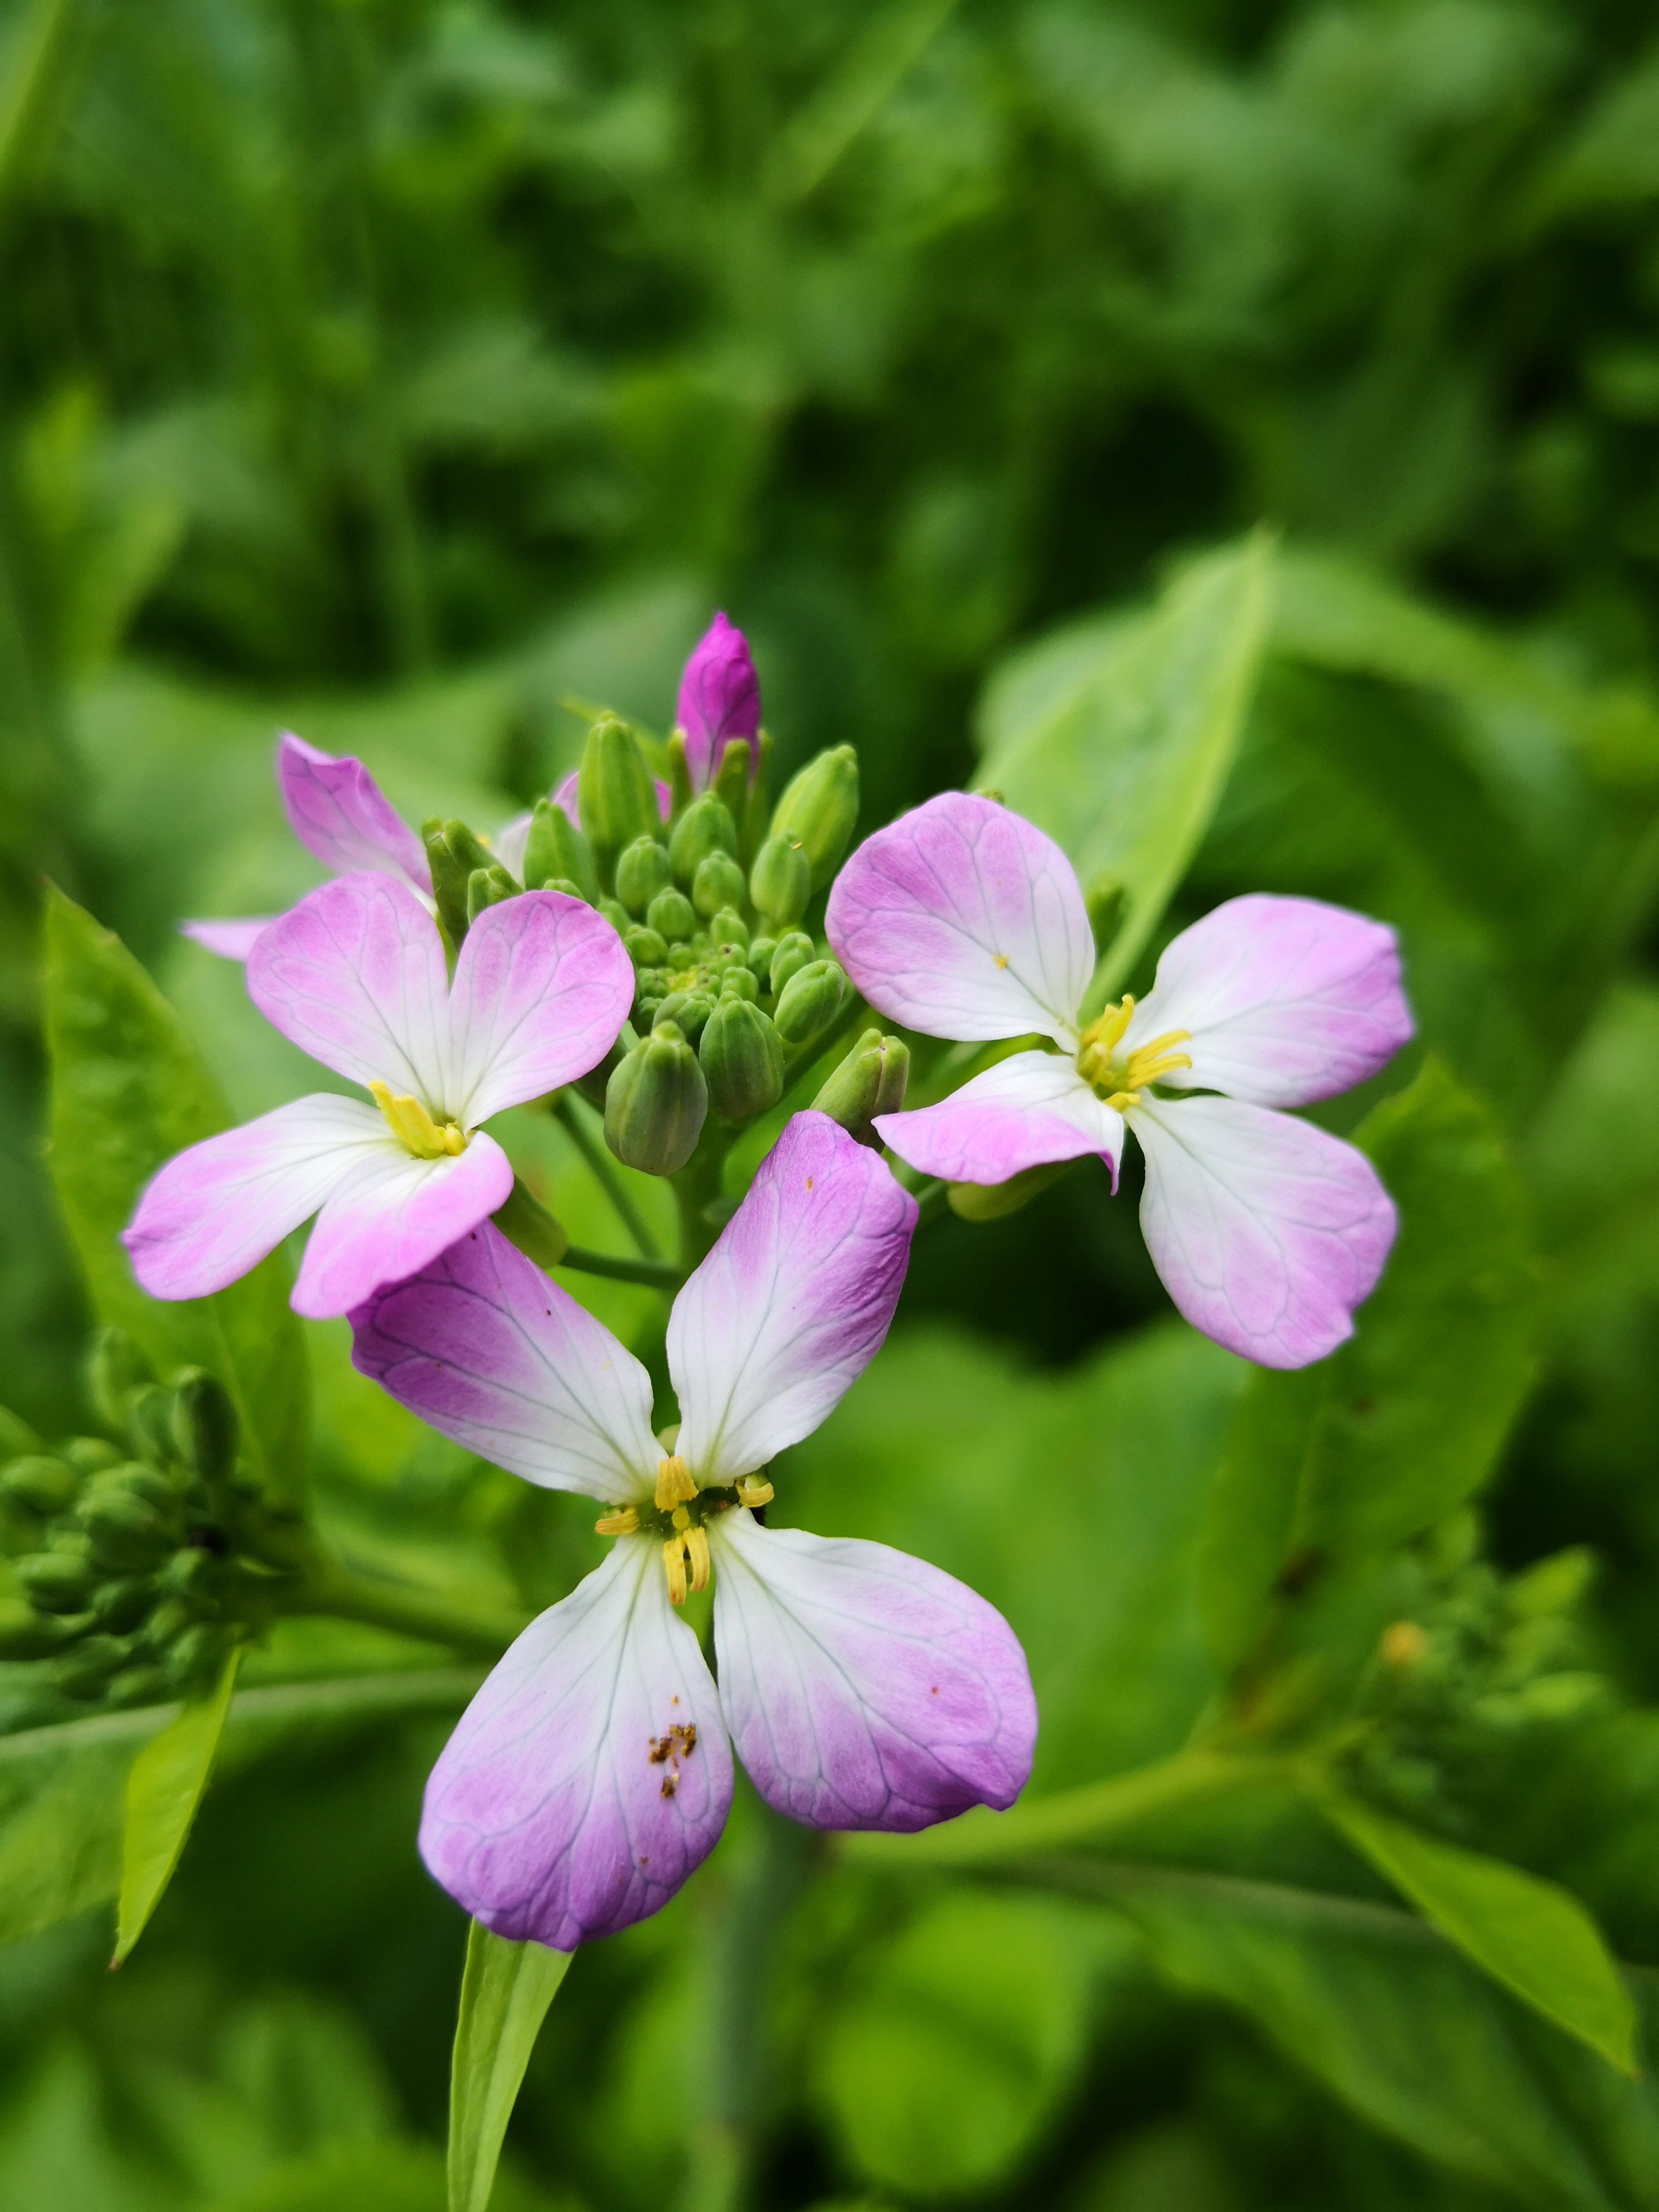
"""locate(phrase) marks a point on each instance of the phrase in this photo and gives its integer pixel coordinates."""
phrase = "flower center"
(1119, 1078)
(679, 1513)
(414, 1127)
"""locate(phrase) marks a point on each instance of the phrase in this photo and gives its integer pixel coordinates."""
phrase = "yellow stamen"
(1148, 1062)
(696, 1550)
(622, 1522)
(752, 1492)
(673, 1560)
(674, 1482)
(1106, 1029)
(1097, 1065)
(414, 1127)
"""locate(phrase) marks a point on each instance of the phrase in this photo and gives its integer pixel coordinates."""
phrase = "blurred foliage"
(419, 375)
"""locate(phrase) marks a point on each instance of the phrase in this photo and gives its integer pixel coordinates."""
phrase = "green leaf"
(1405, 1421)
(942, 2066)
(1534, 1938)
(505, 1993)
(163, 1790)
(1117, 738)
(129, 1090)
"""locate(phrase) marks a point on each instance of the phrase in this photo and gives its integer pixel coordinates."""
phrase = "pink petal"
(542, 986)
(1268, 1231)
(565, 1807)
(340, 813)
(719, 699)
(391, 1215)
(510, 840)
(564, 794)
(963, 920)
(484, 1347)
(231, 940)
(863, 1688)
(1027, 1110)
(1287, 1000)
(793, 1302)
(354, 976)
(214, 1212)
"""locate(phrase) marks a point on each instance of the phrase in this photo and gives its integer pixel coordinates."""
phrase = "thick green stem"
(602, 1169)
(338, 1594)
(697, 1186)
(655, 1274)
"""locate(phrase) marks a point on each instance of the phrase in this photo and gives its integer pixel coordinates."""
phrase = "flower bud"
(671, 914)
(795, 950)
(781, 881)
(705, 827)
(819, 807)
(615, 794)
(557, 854)
(642, 871)
(729, 930)
(41, 1485)
(137, 1686)
(687, 1010)
(760, 949)
(89, 1455)
(718, 883)
(645, 945)
(83, 1670)
(655, 1103)
(26, 1634)
(150, 1421)
(453, 852)
(741, 1057)
(719, 700)
(115, 1368)
(194, 1658)
(205, 1427)
(488, 887)
(57, 1582)
(128, 1533)
(120, 1605)
(870, 1080)
(737, 983)
(809, 1000)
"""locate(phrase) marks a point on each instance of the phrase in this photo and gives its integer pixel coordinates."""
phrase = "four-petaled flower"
(354, 974)
(720, 699)
(861, 1688)
(963, 920)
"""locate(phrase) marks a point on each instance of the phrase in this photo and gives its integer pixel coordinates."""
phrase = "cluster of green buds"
(140, 1556)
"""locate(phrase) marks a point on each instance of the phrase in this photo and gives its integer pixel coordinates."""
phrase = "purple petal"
(1268, 1231)
(564, 794)
(542, 986)
(1286, 1000)
(863, 1688)
(963, 920)
(354, 976)
(340, 813)
(1024, 1112)
(565, 1806)
(392, 1214)
(719, 699)
(484, 1347)
(793, 1302)
(214, 1212)
(231, 940)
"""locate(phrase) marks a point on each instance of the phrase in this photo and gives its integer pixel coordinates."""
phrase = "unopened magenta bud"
(656, 1102)
(719, 699)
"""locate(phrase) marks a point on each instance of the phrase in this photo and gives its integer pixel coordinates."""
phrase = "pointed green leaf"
(129, 1090)
(1535, 1939)
(1116, 739)
(505, 1993)
(164, 1791)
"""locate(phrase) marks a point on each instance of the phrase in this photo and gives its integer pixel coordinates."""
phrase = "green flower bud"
(137, 1686)
(42, 1485)
(56, 1582)
(730, 931)
(718, 883)
(759, 963)
(731, 784)
(127, 1535)
(671, 914)
(149, 1422)
(83, 1670)
(132, 1479)
(556, 855)
(453, 852)
(646, 948)
(195, 1658)
(809, 1000)
(795, 951)
(679, 776)
(26, 1634)
(171, 1618)
(870, 1080)
(615, 794)
(120, 1605)
(655, 1103)
(742, 1058)
(687, 1010)
(617, 914)
(738, 983)
(89, 1455)
(705, 828)
(781, 881)
(592, 1085)
(488, 887)
(757, 804)
(17, 1439)
(642, 871)
(205, 1427)
(115, 1368)
(819, 807)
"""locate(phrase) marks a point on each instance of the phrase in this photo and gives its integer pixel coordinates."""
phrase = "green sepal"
(718, 885)
(642, 871)
(781, 881)
(615, 794)
(742, 1058)
(526, 1221)
(819, 806)
(487, 887)
(730, 784)
(655, 1103)
(810, 1002)
(870, 1081)
(558, 856)
(989, 1201)
(795, 950)
(705, 827)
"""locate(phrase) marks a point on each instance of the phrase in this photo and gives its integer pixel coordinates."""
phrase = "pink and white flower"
(355, 976)
(963, 920)
(860, 1688)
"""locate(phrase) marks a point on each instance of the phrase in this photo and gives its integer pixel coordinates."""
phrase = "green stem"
(655, 1274)
(338, 1594)
(600, 1167)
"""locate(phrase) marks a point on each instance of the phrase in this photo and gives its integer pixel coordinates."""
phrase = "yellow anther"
(681, 1518)
(696, 1550)
(674, 1482)
(622, 1522)
(1106, 1029)
(753, 1493)
(414, 1127)
(1001, 959)
(1148, 1062)
(673, 1560)
(1097, 1062)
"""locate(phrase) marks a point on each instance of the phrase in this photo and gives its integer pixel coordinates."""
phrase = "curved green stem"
(655, 1274)
(338, 1593)
(599, 1165)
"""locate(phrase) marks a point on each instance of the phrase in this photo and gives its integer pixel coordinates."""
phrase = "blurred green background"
(417, 376)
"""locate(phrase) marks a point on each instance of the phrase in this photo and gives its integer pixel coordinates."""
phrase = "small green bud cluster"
(138, 1554)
